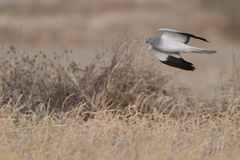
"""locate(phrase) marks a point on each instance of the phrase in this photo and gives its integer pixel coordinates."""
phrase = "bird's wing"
(173, 59)
(174, 35)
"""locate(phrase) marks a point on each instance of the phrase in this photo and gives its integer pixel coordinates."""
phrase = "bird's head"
(150, 40)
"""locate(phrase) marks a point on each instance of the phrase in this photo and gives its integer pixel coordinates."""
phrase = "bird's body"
(166, 48)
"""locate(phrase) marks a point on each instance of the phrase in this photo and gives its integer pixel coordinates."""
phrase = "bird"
(166, 48)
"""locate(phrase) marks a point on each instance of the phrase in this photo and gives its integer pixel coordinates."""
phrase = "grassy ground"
(118, 107)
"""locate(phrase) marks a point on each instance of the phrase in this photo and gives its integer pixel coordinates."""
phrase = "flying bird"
(166, 48)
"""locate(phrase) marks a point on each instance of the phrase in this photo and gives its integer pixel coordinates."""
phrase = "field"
(60, 102)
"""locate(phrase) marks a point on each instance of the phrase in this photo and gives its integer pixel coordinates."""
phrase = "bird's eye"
(150, 39)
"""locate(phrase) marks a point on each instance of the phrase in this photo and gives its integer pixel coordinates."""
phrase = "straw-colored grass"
(181, 134)
(116, 108)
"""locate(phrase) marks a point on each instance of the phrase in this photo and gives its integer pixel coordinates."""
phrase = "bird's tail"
(201, 50)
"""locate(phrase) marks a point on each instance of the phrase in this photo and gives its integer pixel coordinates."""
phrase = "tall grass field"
(120, 107)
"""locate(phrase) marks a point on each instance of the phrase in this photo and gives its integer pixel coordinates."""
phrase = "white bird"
(166, 48)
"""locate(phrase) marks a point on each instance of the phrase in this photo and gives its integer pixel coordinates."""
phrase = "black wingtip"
(192, 69)
(179, 63)
(188, 68)
(193, 36)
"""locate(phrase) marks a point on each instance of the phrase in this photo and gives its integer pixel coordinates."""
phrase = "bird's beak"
(147, 41)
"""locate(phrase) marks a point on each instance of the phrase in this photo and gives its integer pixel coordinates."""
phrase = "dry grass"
(181, 134)
(118, 107)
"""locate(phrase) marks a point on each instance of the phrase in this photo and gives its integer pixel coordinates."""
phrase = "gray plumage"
(166, 48)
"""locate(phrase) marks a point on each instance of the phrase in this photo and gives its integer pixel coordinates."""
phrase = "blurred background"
(88, 26)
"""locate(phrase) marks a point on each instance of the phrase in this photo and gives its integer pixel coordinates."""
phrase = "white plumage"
(166, 48)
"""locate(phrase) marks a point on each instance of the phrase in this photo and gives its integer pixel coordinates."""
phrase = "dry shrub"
(113, 79)
(227, 92)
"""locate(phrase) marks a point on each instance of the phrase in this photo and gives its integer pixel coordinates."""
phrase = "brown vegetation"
(117, 107)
